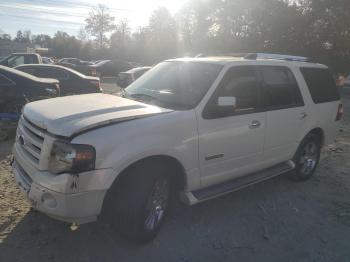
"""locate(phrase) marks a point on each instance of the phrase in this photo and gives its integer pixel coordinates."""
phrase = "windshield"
(175, 84)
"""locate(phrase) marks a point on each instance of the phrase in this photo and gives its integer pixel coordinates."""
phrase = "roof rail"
(255, 56)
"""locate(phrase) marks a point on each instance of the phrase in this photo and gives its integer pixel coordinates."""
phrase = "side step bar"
(237, 183)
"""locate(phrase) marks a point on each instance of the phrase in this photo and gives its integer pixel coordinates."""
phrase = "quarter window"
(321, 85)
(280, 88)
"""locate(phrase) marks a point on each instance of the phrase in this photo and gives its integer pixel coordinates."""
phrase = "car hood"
(68, 116)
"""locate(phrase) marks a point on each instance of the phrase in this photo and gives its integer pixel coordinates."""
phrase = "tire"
(306, 158)
(139, 201)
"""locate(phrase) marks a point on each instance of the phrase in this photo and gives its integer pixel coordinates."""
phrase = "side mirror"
(227, 102)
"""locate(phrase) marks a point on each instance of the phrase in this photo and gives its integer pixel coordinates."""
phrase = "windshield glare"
(174, 84)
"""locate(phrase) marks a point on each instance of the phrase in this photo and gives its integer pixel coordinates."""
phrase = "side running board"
(244, 181)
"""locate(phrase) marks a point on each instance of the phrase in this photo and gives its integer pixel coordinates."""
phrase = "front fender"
(120, 145)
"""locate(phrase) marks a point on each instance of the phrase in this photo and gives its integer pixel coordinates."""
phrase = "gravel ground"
(277, 220)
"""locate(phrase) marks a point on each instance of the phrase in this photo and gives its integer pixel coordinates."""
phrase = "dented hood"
(67, 116)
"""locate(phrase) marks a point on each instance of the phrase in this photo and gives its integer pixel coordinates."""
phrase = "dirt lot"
(277, 220)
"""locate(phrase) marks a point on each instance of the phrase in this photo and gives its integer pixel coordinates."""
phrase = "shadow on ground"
(277, 220)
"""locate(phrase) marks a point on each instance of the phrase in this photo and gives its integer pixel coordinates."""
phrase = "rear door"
(286, 114)
(231, 142)
(67, 84)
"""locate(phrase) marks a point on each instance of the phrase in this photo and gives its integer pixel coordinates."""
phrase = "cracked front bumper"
(81, 207)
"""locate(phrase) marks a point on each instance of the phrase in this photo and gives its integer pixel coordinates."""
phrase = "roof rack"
(255, 56)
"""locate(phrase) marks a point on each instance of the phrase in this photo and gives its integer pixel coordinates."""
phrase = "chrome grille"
(30, 139)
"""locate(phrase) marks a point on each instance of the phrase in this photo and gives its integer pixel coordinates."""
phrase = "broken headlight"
(71, 158)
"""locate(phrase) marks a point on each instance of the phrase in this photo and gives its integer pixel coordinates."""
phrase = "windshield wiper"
(143, 97)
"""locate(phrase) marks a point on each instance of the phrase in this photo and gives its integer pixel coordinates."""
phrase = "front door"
(231, 141)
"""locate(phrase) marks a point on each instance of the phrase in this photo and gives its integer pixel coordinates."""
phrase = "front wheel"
(307, 158)
(138, 203)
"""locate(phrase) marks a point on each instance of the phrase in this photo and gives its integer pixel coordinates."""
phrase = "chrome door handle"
(254, 124)
(302, 115)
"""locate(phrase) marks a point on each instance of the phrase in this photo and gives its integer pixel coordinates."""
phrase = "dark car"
(18, 88)
(16, 59)
(81, 66)
(111, 67)
(126, 78)
(71, 81)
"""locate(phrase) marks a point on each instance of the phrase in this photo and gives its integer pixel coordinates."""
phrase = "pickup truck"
(190, 129)
(17, 59)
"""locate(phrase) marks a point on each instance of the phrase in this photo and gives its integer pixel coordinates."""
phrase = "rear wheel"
(307, 157)
(137, 205)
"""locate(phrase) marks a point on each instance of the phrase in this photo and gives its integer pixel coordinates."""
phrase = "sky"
(49, 16)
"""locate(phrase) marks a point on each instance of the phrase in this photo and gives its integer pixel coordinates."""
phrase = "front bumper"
(80, 207)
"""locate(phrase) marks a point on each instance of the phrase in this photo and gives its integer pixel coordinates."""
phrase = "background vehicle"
(47, 60)
(71, 82)
(111, 67)
(17, 89)
(16, 59)
(126, 78)
(78, 65)
(195, 128)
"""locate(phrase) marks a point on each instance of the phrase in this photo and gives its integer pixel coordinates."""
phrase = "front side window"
(241, 83)
(174, 84)
(280, 89)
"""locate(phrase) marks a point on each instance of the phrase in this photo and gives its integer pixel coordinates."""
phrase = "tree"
(99, 23)
(64, 45)
(119, 40)
(42, 40)
(163, 34)
(19, 37)
(82, 34)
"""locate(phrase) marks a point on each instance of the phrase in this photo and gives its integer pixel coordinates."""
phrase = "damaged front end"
(57, 177)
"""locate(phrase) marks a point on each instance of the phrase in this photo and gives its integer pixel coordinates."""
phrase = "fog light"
(48, 200)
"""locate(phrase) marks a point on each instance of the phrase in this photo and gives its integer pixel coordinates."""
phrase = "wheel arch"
(179, 176)
(319, 132)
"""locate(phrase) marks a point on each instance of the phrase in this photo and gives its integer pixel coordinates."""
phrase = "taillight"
(340, 112)
(96, 84)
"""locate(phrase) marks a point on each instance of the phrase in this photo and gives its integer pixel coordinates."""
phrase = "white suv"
(197, 127)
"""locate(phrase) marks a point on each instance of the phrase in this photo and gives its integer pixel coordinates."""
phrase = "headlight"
(71, 158)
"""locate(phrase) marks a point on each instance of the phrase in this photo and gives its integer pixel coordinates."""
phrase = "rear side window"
(52, 73)
(280, 89)
(28, 70)
(321, 85)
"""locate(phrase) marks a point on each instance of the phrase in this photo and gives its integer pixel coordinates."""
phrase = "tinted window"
(4, 81)
(51, 73)
(280, 88)
(28, 70)
(321, 85)
(239, 82)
